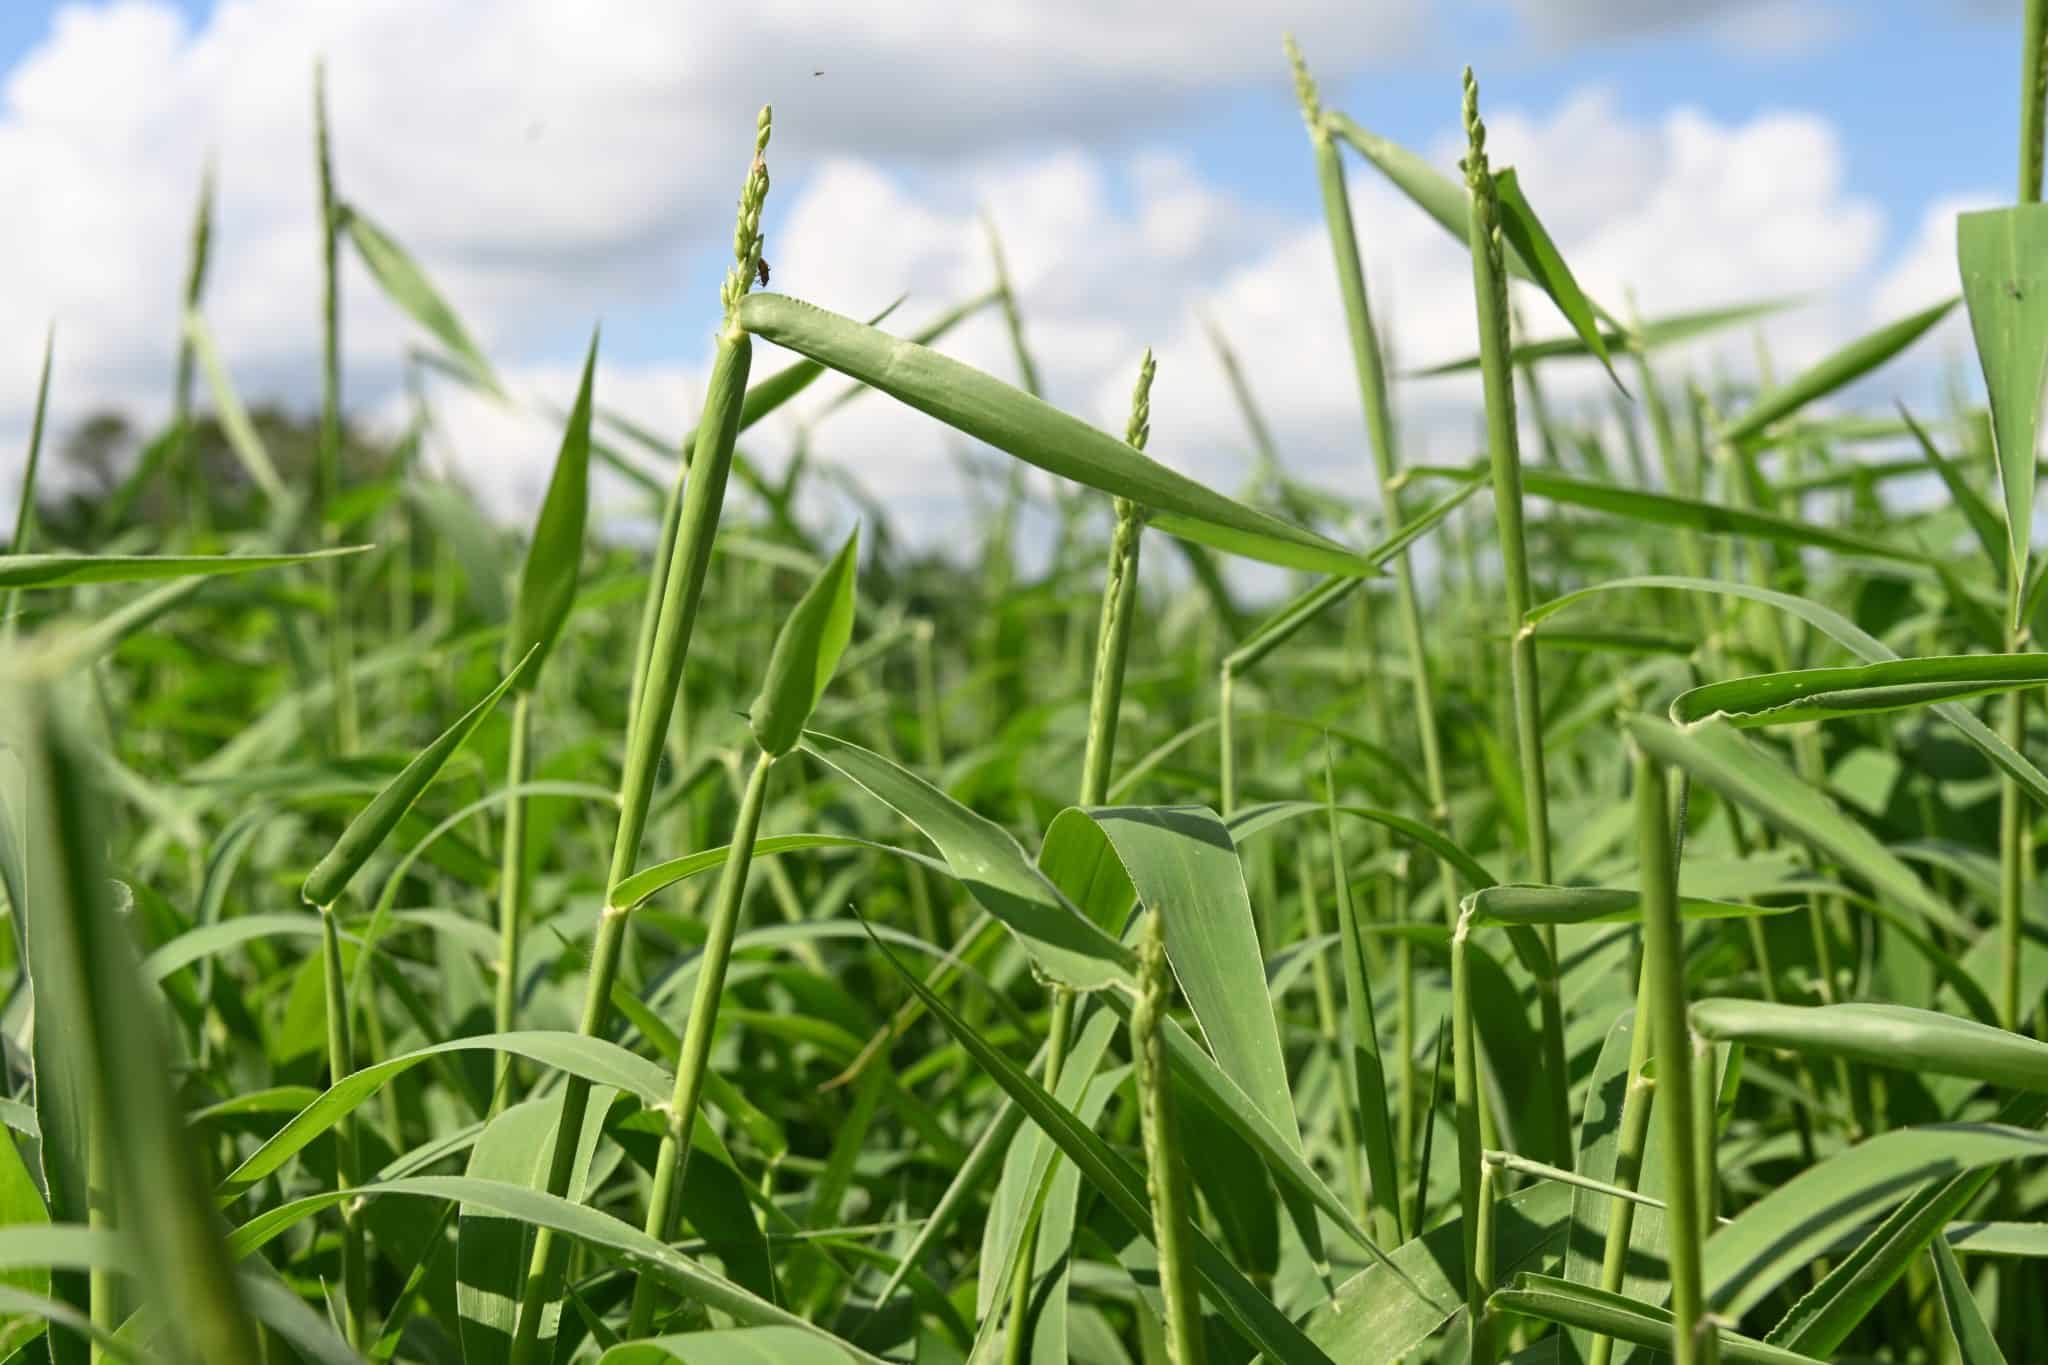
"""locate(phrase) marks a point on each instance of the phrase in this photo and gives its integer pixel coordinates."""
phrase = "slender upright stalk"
(2033, 94)
(1471, 1145)
(1166, 1179)
(340, 1065)
(198, 504)
(1489, 288)
(672, 1164)
(25, 511)
(1112, 650)
(1694, 1341)
(1379, 428)
(681, 586)
(103, 1282)
(512, 887)
(340, 649)
(1630, 1136)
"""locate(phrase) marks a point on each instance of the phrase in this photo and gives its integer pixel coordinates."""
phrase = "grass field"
(1594, 918)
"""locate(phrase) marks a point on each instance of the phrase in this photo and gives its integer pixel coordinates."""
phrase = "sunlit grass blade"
(1897, 1036)
(1549, 1299)
(1532, 243)
(1646, 336)
(67, 570)
(1038, 433)
(408, 287)
(1834, 372)
(1973, 1340)
(234, 420)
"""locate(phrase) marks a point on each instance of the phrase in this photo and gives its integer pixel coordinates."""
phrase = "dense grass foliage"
(1594, 918)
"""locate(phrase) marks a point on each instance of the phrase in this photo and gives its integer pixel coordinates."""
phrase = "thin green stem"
(1166, 1179)
(512, 888)
(672, 1163)
(1489, 288)
(681, 586)
(1471, 1147)
(1695, 1342)
(2033, 93)
(1105, 698)
(340, 648)
(1630, 1137)
(340, 1065)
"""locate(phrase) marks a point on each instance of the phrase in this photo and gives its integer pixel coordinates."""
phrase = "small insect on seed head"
(761, 269)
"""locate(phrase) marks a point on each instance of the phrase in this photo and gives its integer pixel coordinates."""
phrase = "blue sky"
(556, 166)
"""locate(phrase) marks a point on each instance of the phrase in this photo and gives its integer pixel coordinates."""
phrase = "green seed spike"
(746, 232)
(1166, 1179)
(1305, 91)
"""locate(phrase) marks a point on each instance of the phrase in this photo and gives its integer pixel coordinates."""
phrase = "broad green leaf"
(2000, 252)
(1250, 1312)
(1375, 1316)
(1061, 941)
(1974, 1343)
(594, 1059)
(1835, 371)
(1782, 1233)
(1038, 433)
(1548, 1299)
(732, 1346)
(1520, 226)
(1826, 693)
(1435, 193)
(20, 1204)
(1720, 757)
(1837, 627)
(1896, 1036)
(367, 832)
(814, 635)
(63, 571)
(407, 286)
(554, 559)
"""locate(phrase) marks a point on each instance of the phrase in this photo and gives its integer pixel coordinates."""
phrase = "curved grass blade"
(594, 1059)
(241, 434)
(1250, 1312)
(806, 653)
(25, 504)
(1646, 336)
(1839, 628)
(1974, 1343)
(1843, 367)
(734, 1346)
(554, 559)
(1061, 941)
(1781, 1234)
(1548, 1299)
(1520, 905)
(588, 1225)
(1721, 758)
(1896, 1036)
(367, 832)
(1521, 227)
(1038, 433)
(1810, 694)
(407, 286)
(64, 571)
(1984, 523)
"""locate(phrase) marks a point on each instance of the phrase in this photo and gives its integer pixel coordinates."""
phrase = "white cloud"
(1754, 28)
(548, 172)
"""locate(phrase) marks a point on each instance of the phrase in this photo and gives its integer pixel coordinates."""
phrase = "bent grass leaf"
(1549, 1299)
(367, 832)
(554, 560)
(1843, 367)
(1826, 693)
(64, 571)
(407, 286)
(1034, 431)
(1895, 1036)
(1520, 225)
(806, 653)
